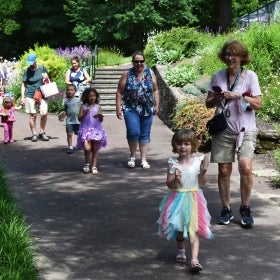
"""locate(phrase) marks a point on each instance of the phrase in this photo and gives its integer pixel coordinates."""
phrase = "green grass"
(17, 261)
(111, 58)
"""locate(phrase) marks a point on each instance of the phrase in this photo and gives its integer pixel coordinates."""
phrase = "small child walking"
(2, 94)
(91, 135)
(183, 210)
(7, 112)
(72, 104)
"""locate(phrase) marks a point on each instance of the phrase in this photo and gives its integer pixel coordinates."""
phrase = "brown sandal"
(195, 266)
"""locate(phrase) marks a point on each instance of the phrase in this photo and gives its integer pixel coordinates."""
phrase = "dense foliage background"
(123, 25)
(171, 33)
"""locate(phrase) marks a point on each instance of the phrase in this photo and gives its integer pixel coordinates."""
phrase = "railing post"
(94, 61)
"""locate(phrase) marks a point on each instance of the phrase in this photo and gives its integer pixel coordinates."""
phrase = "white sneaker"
(131, 162)
(145, 165)
(94, 171)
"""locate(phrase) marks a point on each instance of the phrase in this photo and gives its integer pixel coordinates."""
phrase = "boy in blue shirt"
(71, 109)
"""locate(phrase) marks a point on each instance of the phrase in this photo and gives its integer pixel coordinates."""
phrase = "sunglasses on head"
(139, 61)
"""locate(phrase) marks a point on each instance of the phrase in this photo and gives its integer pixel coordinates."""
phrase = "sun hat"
(31, 59)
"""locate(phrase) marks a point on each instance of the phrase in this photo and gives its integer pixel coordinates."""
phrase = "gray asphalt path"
(101, 227)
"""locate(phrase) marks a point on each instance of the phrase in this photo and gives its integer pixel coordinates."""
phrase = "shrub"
(191, 113)
(174, 45)
(180, 75)
(277, 157)
(271, 99)
(17, 259)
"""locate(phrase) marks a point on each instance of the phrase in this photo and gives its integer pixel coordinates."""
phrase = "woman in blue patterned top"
(137, 99)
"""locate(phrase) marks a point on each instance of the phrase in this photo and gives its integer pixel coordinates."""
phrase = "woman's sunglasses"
(139, 61)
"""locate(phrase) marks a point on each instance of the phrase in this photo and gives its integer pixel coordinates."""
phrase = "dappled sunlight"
(104, 227)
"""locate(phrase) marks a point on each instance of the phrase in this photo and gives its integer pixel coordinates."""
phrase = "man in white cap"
(33, 78)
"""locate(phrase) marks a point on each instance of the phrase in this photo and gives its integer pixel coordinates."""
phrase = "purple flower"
(81, 51)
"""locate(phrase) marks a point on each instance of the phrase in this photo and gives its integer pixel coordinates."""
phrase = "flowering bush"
(83, 52)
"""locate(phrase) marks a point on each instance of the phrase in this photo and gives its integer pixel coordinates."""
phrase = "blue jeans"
(138, 128)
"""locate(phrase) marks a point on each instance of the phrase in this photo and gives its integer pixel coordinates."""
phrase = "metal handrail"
(94, 62)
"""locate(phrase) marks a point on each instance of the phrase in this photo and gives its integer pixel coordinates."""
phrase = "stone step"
(108, 100)
(109, 109)
(111, 69)
(105, 86)
(106, 83)
(106, 90)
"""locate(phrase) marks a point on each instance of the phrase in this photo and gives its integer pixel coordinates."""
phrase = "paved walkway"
(104, 227)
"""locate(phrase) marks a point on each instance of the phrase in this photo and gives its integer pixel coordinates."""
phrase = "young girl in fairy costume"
(91, 135)
(183, 210)
(7, 113)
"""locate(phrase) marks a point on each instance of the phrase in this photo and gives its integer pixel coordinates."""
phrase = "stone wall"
(168, 96)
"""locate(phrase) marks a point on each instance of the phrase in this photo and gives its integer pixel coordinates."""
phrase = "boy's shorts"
(223, 147)
(70, 128)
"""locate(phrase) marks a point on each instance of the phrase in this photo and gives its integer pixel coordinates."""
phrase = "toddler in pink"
(7, 112)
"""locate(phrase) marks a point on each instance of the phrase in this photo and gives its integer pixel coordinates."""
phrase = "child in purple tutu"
(91, 135)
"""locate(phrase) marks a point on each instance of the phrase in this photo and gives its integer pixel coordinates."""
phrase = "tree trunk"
(225, 15)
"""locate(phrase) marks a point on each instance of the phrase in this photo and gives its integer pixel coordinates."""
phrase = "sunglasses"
(139, 61)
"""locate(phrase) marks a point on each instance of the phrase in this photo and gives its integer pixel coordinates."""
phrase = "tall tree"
(42, 22)
(8, 22)
(126, 24)
(225, 15)
(8, 11)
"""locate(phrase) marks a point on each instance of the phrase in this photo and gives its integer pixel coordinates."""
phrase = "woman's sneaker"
(246, 217)
(34, 138)
(225, 217)
(43, 137)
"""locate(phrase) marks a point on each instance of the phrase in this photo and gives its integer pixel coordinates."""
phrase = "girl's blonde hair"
(184, 135)
(8, 99)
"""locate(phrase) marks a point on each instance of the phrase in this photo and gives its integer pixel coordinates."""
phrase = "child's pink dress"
(8, 119)
(91, 129)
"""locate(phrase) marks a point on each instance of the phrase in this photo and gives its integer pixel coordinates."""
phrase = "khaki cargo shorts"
(223, 147)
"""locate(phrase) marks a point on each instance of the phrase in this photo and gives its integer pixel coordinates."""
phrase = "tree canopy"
(127, 24)
(120, 24)
(8, 11)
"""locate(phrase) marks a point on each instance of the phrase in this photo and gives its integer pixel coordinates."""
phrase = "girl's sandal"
(181, 257)
(86, 169)
(195, 266)
(131, 162)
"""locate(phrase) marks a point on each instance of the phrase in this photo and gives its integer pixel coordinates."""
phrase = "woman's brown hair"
(235, 47)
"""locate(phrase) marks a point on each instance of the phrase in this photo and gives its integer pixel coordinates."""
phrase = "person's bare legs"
(87, 150)
(32, 123)
(181, 254)
(94, 153)
(132, 148)
(69, 139)
(195, 265)
(195, 247)
(143, 147)
(43, 123)
(246, 180)
(225, 170)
